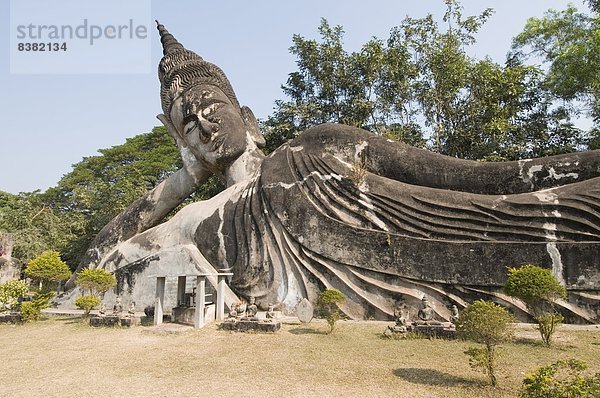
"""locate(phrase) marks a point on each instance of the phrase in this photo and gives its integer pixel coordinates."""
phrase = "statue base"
(428, 330)
(10, 317)
(250, 325)
(113, 321)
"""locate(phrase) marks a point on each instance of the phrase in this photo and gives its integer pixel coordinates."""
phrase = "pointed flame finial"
(169, 42)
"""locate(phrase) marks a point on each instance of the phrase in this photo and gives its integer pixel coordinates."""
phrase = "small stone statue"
(454, 314)
(233, 311)
(271, 312)
(131, 310)
(118, 307)
(102, 309)
(401, 315)
(252, 308)
(426, 313)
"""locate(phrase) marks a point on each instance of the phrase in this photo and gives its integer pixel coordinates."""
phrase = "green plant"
(560, 379)
(327, 303)
(87, 303)
(48, 268)
(96, 281)
(11, 292)
(32, 310)
(489, 324)
(538, 288)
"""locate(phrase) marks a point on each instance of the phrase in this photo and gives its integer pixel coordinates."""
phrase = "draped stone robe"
(386, 223)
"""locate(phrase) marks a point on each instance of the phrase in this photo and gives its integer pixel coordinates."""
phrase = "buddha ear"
(252, 125)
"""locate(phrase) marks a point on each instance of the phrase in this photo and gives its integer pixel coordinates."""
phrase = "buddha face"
(211, 125)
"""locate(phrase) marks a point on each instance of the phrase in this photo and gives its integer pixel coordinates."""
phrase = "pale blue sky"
(50, 122)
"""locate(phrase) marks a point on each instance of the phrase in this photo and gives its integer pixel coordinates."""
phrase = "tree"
(560, 379)
(96, 281)
(328, 302)
(48, 268)
(489, 324)
(538, 288)
(35, 226)
(11, 292)
(568, 42)
(87, 303)
(420, 84)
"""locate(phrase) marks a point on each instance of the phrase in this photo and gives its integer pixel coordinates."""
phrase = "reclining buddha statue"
(339, 207)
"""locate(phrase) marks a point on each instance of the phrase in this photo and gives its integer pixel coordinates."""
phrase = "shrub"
(32, 310)
(538, 288)
(327, 303)
(561, 379)
(96, 281)
(11, 292)
(87, 303)
(48, 267)
(489, 324)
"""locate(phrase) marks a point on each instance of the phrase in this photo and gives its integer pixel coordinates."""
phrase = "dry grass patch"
(62, 357)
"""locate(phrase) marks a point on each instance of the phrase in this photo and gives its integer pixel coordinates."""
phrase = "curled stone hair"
(181, 69)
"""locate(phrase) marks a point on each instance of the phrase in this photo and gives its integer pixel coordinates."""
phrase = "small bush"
(327, 303)
(48, 268)
(538, 288)
(96, 281)
(489, 324)
(87, 303)
(561, 379)
(11, 292)
(32, 310)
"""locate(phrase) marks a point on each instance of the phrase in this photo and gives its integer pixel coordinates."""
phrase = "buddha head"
(200, 103)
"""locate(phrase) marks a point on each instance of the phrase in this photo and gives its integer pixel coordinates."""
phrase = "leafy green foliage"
(327, 303)
(32, 310)
(489, 324)
(531, 283)
(538, 288)
(48, 267)
(569, 43)
(35, 225)
(11, 292)
(87, 303)
(96, 281)
(421, 85)
(560, 379)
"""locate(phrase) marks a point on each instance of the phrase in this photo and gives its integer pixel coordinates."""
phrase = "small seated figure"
(131, 309)
(102, 309)
(271, 312)
(426, 313)
(400, 316)
(118, 307)
(233, 313)
(252, 308)
(454, 314)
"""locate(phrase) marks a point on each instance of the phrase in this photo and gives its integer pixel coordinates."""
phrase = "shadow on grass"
(538, 343)
(434, 377)
(306, 331)
(75, 320)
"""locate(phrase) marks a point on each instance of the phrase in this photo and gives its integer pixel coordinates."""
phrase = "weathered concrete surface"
(10, 268)
(341, 208)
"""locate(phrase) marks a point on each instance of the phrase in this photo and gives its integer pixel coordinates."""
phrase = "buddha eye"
(190, 122)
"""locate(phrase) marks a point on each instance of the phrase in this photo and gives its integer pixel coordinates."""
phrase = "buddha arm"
(423, 167)
(145, 213)
(150, 209)
(416, 166)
